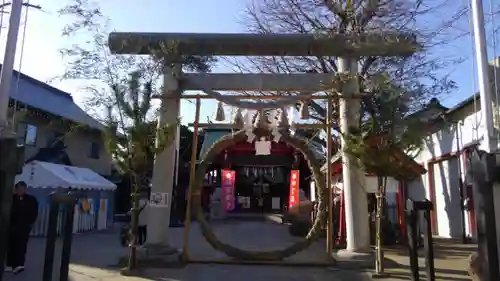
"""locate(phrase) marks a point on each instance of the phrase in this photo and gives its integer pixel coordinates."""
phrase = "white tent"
(40, 174)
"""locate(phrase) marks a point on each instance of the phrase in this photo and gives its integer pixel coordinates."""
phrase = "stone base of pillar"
(156, 256)
(158, 250)
(361, 257)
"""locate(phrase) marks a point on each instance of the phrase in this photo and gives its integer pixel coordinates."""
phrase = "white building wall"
(445, 171)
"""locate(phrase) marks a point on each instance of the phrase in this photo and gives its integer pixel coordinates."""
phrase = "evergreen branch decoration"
(314, 164)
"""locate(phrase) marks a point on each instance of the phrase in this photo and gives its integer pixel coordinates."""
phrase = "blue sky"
(42, 61)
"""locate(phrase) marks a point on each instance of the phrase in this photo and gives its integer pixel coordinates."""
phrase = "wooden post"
(411, 225)
(192, 172)
(428, 245)
(483, 176)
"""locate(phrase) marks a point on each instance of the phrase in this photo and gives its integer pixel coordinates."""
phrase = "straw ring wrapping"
(315, 231)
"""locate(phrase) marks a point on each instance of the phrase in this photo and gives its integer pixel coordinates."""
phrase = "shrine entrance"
(262, 182)
(261, 189)
(299, 89)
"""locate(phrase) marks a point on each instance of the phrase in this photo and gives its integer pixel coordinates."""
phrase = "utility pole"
(11, 154)
(483, 170)
(8, 65)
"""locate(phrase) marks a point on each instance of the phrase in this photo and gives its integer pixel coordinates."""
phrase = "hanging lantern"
(238, 119)
(283, 119)
(219, 114)
(304, 110)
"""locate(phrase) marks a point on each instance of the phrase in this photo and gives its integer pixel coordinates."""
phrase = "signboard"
(228, 179)
(262, 147)
(294, 188)
(312, 191)
(158, 200)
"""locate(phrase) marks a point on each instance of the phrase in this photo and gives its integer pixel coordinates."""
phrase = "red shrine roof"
(406, 167)
(213, 135)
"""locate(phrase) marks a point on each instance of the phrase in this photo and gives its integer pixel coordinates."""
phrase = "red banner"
(228, 179)
(294, 188)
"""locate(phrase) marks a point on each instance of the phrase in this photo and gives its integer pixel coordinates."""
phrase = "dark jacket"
(24, 212)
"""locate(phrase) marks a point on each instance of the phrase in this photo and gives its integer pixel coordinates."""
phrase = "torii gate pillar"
(158, 217)
(355, 199)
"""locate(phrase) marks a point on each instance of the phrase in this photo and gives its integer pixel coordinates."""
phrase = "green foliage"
(91, 60)
(388, 132)
(133, 139)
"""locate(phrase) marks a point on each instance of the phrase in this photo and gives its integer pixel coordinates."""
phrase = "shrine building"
(261, 169)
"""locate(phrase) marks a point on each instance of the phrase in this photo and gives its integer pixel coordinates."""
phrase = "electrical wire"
(18, 78)
(1, 16)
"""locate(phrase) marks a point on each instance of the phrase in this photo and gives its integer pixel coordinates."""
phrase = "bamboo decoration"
(194, 151)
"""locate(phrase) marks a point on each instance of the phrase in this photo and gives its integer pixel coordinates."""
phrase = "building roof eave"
(51, 100)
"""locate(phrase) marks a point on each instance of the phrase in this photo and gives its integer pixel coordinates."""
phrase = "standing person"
(23, 215)
(142, 228)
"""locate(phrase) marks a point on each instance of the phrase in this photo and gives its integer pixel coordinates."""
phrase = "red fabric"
(341, 238)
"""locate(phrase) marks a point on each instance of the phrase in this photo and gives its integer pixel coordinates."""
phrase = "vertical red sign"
(228, 178)
(294, 188)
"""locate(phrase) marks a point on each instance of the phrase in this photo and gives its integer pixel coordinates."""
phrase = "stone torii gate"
(348, 48)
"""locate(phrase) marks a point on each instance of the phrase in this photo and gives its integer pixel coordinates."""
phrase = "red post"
(471, 213)
(342, 227)
(401, 211)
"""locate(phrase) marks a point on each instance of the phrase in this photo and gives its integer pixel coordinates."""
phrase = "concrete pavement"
(451, 261)
(94, 257)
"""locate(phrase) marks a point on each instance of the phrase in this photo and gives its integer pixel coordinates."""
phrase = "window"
(94, 152)
(53, 138)
(21, 133)
(31, 135)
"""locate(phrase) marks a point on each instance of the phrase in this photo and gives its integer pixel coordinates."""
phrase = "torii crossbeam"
(250, 44)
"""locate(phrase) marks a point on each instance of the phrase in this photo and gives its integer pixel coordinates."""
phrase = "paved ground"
(94, 258)
(451, 261)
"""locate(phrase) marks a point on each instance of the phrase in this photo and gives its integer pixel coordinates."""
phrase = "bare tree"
(92, 61)
(420, 75)
(396, 86)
